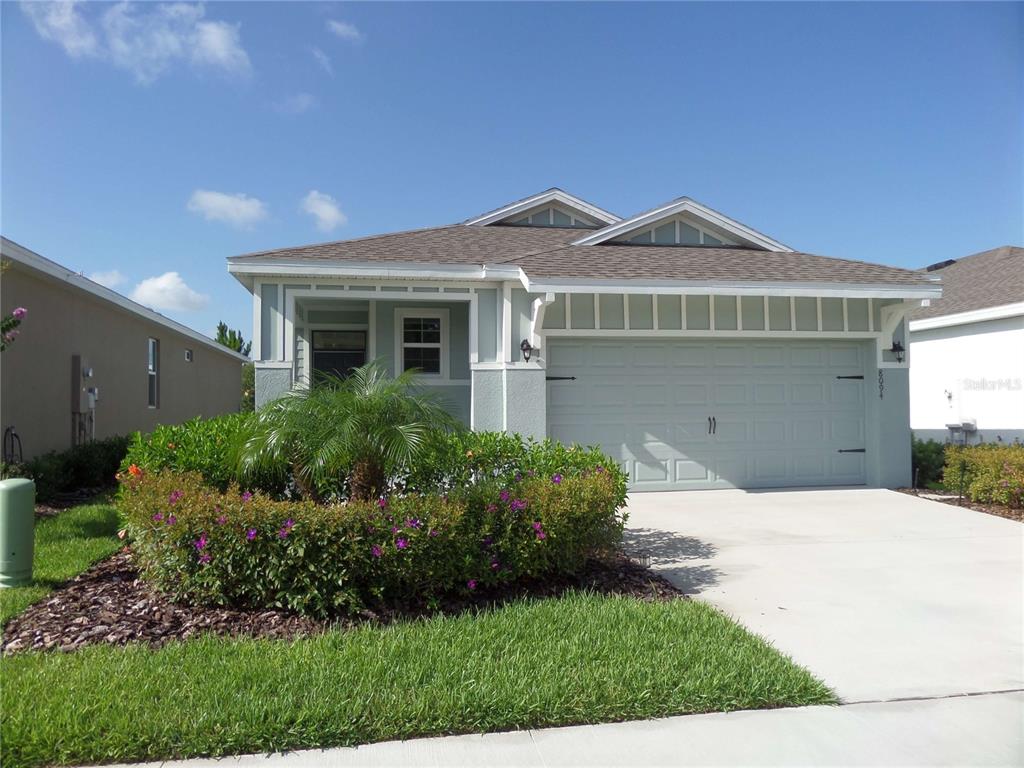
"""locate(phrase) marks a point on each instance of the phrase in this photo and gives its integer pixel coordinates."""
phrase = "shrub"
(927, 458)
(90, 465)
(203, 446)
(458, 459)
(992, 473)
(204, 546)
(362, 429)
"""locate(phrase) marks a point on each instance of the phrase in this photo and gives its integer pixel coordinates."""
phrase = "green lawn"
(578, 659)
(65, 546)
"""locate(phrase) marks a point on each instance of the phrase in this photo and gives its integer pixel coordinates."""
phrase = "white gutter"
(963, 318)
(22, 255)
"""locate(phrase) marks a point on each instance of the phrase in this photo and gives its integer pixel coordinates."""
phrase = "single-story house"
(696, 350)
(967, 382)
(89, 363)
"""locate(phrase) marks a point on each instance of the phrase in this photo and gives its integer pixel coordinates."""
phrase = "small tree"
(367, 425)
(232, 339)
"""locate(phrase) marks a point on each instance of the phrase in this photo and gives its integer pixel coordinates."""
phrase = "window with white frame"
(422, 341)
(153, 372)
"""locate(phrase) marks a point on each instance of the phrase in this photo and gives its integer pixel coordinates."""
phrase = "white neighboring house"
(967, 378)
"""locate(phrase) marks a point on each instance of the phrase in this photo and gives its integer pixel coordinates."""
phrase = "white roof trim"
(683, 205)
(18, 253)
(554, 195)
(384, 271)
(973, 316)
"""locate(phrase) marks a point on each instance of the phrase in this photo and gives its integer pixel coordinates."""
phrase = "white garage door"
(714, 414)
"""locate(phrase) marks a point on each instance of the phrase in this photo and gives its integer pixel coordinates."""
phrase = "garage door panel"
(780, 413)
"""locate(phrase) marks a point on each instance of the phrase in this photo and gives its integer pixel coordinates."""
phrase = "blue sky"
(142, 140)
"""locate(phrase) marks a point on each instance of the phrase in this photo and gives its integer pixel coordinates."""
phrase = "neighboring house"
(967, 381)
(90, 363)
(694, 349)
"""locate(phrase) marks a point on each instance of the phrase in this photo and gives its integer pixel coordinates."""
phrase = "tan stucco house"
(695, 350)
(89, 363)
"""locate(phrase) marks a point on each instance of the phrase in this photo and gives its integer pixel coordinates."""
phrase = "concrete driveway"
(880, 594)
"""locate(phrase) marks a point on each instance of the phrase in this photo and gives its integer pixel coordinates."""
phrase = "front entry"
(690, 414)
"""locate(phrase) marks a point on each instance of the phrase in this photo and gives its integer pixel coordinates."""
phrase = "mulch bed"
(951, 498)
(62, 501)
(110, 605)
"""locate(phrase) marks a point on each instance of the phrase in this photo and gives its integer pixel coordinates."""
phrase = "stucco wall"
(35, 371)
(972, 372)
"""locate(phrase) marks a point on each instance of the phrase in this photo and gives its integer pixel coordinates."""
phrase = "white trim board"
(553, 195)
(22, 255)
(973, 316)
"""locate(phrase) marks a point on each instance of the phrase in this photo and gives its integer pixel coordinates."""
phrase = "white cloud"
(323, 60)
(169, 291)
(144, 42)
(61, 23)
(239, 210)
(344, 30)
(324, 209)
(297, 104)
(110, 279)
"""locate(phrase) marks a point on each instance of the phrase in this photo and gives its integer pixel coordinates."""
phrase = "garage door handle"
(850, 377)
(709, 425)
(559, 378)
(852, 450)
(714, 425)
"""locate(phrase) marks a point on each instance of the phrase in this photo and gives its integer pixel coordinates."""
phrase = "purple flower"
(376, 551)
(517, 505)
(504, 495)
(19, 313)
(222, 520)
(175, 497)
(158, 517)
(246, 496)
(432, 533)
(531, 473)
(495, 565)
(401, 544)
(171, 519)
(538, 529)
(200, 543)
(382, 502)
(519, 476)
(283, 532)
(250, 534)
(471, 583)
(289, 523)
(556, 478)
(204, 558)
(492, 507)
(394, 529)
(599, 469)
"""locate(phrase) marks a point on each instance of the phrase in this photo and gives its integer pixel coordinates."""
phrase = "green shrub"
(205, 546)
(204, 446)
(90, 465)
(991, 473)
(927, 458)
(458, 459)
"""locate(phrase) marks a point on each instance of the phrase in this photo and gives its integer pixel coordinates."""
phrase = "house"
(90, 363)
(967, 382)
(696, 350)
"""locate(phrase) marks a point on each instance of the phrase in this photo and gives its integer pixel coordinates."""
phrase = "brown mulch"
(110, 605)
(62, 501)
(998, 510)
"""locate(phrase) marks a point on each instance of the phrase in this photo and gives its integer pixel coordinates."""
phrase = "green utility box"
(17, 531)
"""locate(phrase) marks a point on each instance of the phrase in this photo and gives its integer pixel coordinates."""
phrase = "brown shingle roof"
(545, 252)
(987, 279)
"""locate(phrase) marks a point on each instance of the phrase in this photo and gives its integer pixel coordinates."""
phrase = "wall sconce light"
(527, 349)
(898, 351)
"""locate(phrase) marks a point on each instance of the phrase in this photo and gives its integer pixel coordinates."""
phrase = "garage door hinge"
(852, 450)
(850, 377)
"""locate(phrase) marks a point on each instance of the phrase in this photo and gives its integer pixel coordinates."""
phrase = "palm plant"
(368, 425)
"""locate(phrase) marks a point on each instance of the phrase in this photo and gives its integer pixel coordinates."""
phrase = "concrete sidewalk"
(982, 730)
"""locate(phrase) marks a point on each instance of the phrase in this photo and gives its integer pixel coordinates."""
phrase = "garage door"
(714, 414)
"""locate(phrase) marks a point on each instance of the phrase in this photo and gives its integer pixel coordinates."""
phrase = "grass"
(65, 546)
(581, 658)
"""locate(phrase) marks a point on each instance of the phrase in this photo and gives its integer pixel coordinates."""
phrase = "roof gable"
(554, 198)
(719, 226)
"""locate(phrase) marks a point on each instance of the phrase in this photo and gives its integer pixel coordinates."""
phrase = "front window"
(153, 373)
(336, 353)
(422, 342)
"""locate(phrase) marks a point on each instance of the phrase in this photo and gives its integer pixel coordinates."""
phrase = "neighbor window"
(422, 343)
(153, 373)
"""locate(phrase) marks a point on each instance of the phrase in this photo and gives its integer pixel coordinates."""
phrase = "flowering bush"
(992, 473)
(229, 548)
(9, 327)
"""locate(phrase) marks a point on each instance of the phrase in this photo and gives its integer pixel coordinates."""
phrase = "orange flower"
(171, 446)
(134, 470)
